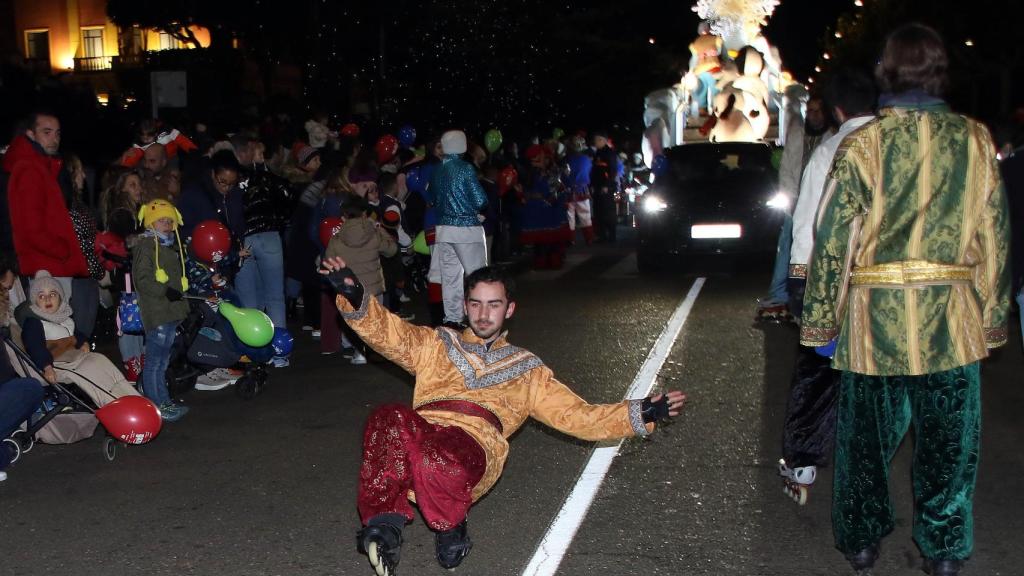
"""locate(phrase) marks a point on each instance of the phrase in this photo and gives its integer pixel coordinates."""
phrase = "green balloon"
(492, 139)
(776, 158)
(253, 327)
(557, 133)
(419, 244)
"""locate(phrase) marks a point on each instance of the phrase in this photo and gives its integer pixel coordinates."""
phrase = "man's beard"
(484, 333)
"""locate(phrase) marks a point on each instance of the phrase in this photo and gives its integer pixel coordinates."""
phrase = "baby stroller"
(65, 416)
(205, 341)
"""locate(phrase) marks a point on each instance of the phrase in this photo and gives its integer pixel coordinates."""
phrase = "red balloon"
(386, 148)
(328, 227)
(131, 419)
(507, 179)
(210, 241)
(350, 129)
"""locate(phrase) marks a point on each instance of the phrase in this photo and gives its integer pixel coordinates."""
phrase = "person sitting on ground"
(361, 242)
(62, 352)
(473, 391)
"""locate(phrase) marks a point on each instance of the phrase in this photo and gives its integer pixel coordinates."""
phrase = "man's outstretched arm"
(394, 338)
(554, 404)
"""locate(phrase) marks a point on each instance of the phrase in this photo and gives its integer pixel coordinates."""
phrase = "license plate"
(716, 231)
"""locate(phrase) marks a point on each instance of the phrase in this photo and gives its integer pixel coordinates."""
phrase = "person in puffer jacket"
(361, 242)
(267, 203)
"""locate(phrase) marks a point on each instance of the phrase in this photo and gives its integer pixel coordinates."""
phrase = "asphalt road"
(267, 487)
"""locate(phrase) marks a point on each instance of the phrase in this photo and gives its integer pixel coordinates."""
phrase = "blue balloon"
(660, 166)
(282, 342)
(406, 136)
(414, 180)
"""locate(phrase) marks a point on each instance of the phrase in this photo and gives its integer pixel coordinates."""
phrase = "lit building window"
(168, 42)
(92, 42)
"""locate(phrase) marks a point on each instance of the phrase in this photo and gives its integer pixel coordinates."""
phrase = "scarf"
(61, 316)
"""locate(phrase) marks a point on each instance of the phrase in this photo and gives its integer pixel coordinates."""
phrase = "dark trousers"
(874, 413)
(810, 425)
(85, 304)
(605, 217)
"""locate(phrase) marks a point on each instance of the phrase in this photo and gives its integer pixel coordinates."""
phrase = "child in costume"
(158, 263)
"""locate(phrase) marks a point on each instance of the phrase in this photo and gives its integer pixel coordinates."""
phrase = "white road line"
(563, 529)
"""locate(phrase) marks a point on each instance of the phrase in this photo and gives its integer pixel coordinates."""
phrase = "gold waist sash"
(909, 273)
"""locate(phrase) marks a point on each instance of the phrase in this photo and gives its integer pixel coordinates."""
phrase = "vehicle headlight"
(780, 201)
(653, 204)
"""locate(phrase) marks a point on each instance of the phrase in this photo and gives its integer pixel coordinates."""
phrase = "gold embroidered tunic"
(909, 267)
(510, 382)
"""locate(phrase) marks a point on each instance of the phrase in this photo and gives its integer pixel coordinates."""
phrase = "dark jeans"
(19, 397)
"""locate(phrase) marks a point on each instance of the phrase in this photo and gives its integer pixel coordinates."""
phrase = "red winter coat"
(44, 238)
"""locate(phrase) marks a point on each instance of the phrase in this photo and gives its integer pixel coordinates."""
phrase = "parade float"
(735, 89)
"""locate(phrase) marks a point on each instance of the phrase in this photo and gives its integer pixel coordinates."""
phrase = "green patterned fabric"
(911, 185)
(874, 413)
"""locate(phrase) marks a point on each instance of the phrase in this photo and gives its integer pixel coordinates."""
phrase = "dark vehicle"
(714, 199)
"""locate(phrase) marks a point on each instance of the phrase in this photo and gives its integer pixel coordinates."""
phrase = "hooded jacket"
(361, 243)
(44, 237)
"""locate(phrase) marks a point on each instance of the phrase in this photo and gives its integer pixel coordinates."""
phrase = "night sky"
(526, 65)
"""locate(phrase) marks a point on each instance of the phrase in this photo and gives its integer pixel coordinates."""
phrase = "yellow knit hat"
(158, 209)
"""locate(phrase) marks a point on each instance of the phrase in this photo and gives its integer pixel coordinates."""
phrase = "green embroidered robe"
(915, 184)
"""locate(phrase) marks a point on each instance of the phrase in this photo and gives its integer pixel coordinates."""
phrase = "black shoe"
(864, 559)
(381, 541)
(942, 567)
(348, 352)
(452, 546)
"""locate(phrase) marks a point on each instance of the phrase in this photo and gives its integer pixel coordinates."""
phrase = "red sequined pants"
(402, 452)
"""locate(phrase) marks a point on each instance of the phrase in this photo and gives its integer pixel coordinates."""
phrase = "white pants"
(456, 259)
(579, 208)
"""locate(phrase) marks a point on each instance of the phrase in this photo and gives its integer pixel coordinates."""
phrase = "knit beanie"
(453, 142)
(158, 209)
(43, 282)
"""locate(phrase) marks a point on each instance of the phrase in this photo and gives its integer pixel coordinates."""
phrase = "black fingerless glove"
(352, 292)
(172, 294)
(654, 411)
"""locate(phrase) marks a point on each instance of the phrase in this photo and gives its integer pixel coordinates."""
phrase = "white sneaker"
(3, 475)
(358, 358)
(403, 298)
(216, 379)
(306, 328)
(315, 334)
